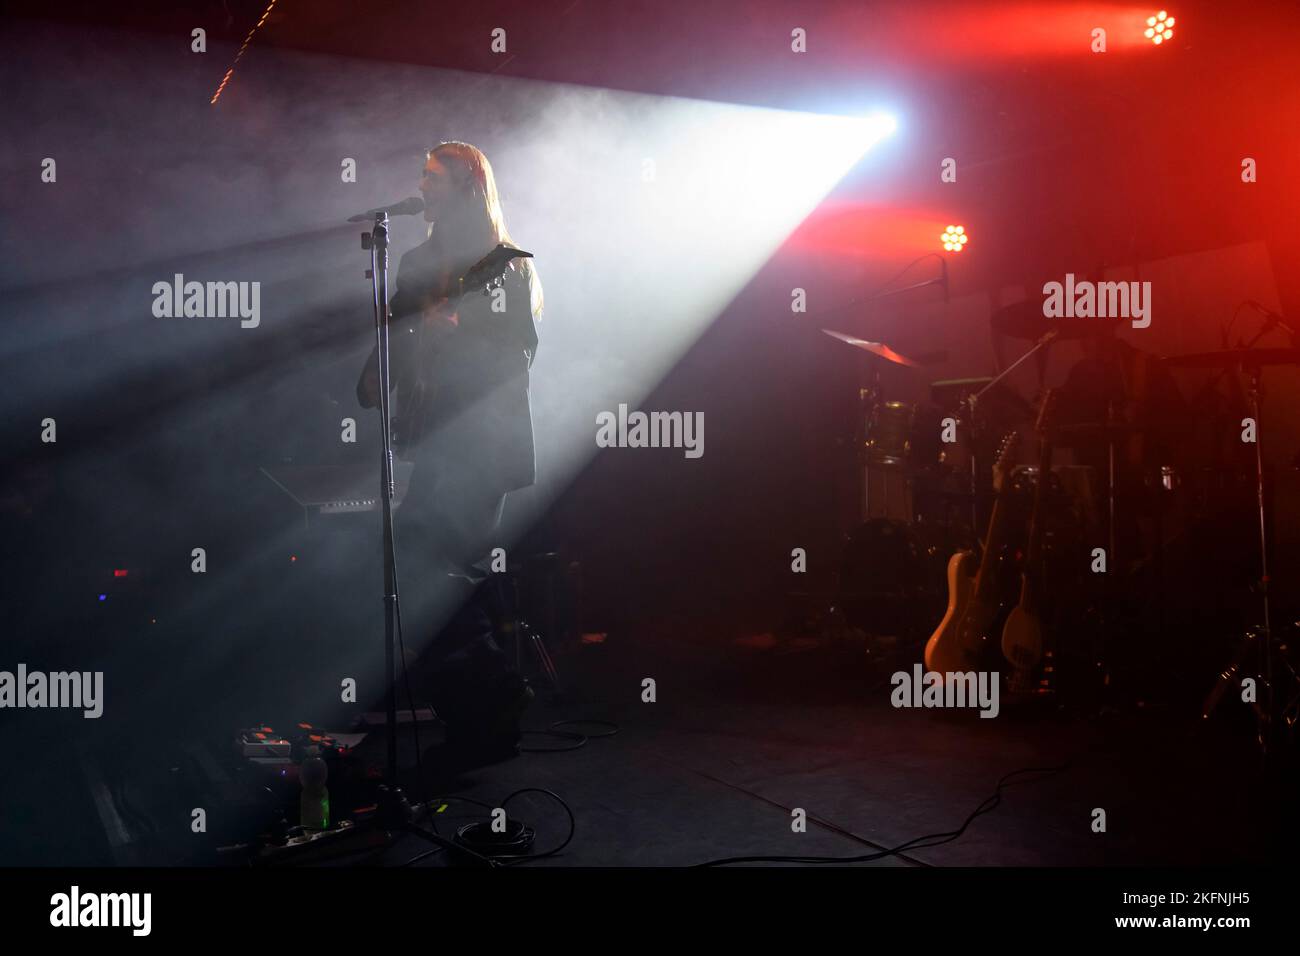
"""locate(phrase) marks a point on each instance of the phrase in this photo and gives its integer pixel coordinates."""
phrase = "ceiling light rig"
(1159, 28)
(240, 55)
(954, 238)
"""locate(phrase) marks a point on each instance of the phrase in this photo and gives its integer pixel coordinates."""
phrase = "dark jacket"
(478, 419)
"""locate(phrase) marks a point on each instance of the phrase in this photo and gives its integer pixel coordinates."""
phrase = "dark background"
(1067, 161)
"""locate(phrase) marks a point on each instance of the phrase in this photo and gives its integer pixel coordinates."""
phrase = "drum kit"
(928, 489)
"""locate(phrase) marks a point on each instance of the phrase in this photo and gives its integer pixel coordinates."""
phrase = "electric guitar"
(964, 636)
(411, 384)
(1022, 635)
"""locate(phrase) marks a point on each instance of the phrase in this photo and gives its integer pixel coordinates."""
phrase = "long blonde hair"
(472, 175)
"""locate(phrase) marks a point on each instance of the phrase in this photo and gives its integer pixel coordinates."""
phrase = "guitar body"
(1022, 635)
(975, 596)
(943, 651)
(411, 385)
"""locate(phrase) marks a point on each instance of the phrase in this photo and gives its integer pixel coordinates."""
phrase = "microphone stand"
(395, 813)
(942, 280)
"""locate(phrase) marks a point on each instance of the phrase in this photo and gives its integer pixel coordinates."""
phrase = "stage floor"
(739, 738)
(740, 735)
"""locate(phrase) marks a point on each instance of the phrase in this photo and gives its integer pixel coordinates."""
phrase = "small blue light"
(103, 597)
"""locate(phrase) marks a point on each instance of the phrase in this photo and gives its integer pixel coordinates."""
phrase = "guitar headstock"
(491, 269)
(1006, 458)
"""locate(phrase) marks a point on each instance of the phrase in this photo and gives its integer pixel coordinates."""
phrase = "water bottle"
(314, 804)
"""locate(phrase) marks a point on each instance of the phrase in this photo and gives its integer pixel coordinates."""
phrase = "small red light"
(119, 572)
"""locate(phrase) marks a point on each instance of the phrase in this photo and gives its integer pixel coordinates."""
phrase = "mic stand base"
(397, 816)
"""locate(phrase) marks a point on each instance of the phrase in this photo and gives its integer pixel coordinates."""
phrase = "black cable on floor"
(988, 804)
(573, 826)
(489, 844)
(578, 740)
(613, 727)
(824, 824)
(509, 848)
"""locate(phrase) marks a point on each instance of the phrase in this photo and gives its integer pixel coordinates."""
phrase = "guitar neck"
(993, 543)
(1035, 546)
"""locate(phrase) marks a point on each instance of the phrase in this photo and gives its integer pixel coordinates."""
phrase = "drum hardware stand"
(972, 403)
(1258, 641)
(868, 397)
(523, 633)
(525, 630)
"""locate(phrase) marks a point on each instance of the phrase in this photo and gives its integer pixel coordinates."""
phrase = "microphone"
(411, 206)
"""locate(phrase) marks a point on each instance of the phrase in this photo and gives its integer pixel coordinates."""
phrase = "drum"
(1082, 486)
(889, 584)
(1059, 496)
(1024, 479)
(889, 434)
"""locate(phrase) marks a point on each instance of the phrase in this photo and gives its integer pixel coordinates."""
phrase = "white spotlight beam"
(662, 214)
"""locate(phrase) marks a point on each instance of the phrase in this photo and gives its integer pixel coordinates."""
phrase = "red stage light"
(1159, 28)
(954, 238)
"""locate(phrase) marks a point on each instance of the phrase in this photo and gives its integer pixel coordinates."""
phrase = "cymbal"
(951, 393)
(964, 385)
(1232, 358)
(875, 348)
(1025, 320)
